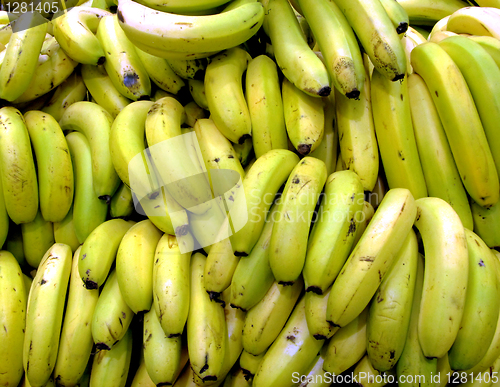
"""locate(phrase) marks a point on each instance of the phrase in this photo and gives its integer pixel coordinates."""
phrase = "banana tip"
(402, 28)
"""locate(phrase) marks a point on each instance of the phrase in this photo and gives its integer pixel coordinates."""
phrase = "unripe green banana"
(363, 218)
(490, 44)
(38, 236)
(122, 203)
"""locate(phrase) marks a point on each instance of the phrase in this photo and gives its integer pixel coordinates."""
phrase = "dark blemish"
(481, 263)
(437, 95)
(130, 79)
(43, 282)
(296, 180)
(314, 289)
(291, 338)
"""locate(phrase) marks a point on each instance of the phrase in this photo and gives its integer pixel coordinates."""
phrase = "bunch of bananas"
(263, 193)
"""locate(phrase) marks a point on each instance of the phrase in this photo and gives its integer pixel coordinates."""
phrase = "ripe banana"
(67, 93)
(433, 148)
(390, 308)
(123, 65)
(13, 298)
(475, 21)
(445, 276)
(372, 257)
(294, 57)
(245, 152)
(172, 283)
(38, 236)
(338, 45)
(99, 251)
(460, 120)
(395, 135)
(17, 167)
(193, 114)
(76, 342)
(481, 308)
(189, 69)
(363, 218)
(112, 316)
(333, 232)
(88, 210)
(486, 223)
(134, 265)
(164, 33)
(250, 363)
(428, 12)
(180, 7)
(397, 14)
(54, 168)
(316, 305)
(4, 220)
(197, 91)
(122, 203)
(377, 35)
(75, 31)
(95, 123)
(45, 314)
(289, 239)
(141, 376)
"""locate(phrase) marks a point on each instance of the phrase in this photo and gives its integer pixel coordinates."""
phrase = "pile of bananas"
(327, 209)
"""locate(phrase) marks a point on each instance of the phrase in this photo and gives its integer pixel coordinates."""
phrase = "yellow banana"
(67, 93)
(397, 14)
(490, 44)
(122, 203)
(316, 305)
(38, 236)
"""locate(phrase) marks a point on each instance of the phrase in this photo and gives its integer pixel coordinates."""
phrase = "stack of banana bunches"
(233, 193)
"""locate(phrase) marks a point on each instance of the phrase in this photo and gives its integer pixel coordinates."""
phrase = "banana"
(428, 12)
(171, 283)
(165, 31)
(316, 305)
(225, 97)
(245, 152)
(397, 14)
(13, 298)
(292, 352)
(483, 79)
(372, 257)
(122, 203)
(4, 220)
(197, 91)
(294, 57)
(333, 232)
(38, 236)
(390, 309)
(21, 55)
(338, 45)
(141, 376)
(54, 168)
(490, 44)
(88, 210)
(206, 327)
(347, 346)
(441, 35)
(193, 113)
(76, 342)
(72, 90)
(356, 131)
(460, 120)
(162, 354)
(363, 218)
(289, 239)
(412, 362)
(367, 376)
(110, 367)
(481, 308)
(189, 69)
(395, 135)
(410, 40)
(180, 7)
(486, 223)
(123, 64)
(134, 265)
(475, 21)
(99, 251)
(250, 363)
(112, 316)
(75, 31)
(433, 148)
(265, 105)
(102, 89)
(304, 118)
(17, 167)
(95, 123)
(377, 35)
(45, 314)
(186, 378)
(445, 276)
(237, 378)
(265, 320)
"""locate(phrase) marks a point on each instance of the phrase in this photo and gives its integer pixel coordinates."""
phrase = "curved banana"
(165, 31)
(99, 251)
(397, 14)
(193, 113)
(445, 276)
(38, 236)
(75, 31)
(245, 152)
(377, 35)
(294, 57)
(21, 55)
(197, 91)
(490, 44)
(95, 123)
(17, 167)
(122, 203)
(390, 308)
(304, 118)
(395, 135)
(112, 316)
(141, 376)
(44, 314)
(363, 218)
(372, 257)
(180, 7)
(481, 308)
(316, 305)
(338, 45)
(333, 232)
(475, 21)
(189, 69)
(428, 12)
(76, 342)
(433, 148)
(13, 298)
(102, 89)
(54, 167)
(4, 221)
(487, 223)
(134, 265)
(88, 210)
(460, 120)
